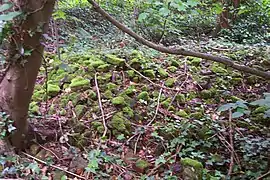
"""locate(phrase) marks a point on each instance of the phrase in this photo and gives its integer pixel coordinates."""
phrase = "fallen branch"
(178, 51)
(231, 143)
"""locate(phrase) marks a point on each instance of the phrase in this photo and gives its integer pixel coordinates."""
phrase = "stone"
(119, 124)
(79, 83)
(192, 169)
(112, 59)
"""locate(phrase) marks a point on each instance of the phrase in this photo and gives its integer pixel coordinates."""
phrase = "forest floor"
(109, 108)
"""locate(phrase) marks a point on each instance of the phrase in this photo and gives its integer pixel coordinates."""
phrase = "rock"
(53, 89)
(112, 59)
(79, 83)
(80, 110)
(149, 73)
(141, 166)
(108, 94)
(130, 73)
(103, 68)
(207, 94)
(195, 61)
(192, 169)
(180, 98)
(119, 124)
(118, 101)
(182, 113)
(163, 73)
(128, 111)
(170, 82)
(196, 115)
(218, 69)
(144, 96)
(172, 69)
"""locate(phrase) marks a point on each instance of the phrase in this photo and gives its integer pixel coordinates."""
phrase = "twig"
(159, 95)
(49, 151)
(53, 166)
(263, 176)
(101, 109)
(161, 86)
(231, 143)
(136, 143)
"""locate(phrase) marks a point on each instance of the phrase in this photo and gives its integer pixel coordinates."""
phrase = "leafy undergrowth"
(130, 115)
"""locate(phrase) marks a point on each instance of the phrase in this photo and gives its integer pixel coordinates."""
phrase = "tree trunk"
(17, 85)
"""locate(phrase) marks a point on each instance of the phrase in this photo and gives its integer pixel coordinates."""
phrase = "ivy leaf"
(192, 3)
(142, 16)
(160, 160)
(164, 11)
(9, 16)
(226, 107)
(237, 114)
(5, 7)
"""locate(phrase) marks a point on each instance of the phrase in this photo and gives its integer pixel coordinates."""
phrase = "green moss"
(118, 101)
(196, 115)
(104, 78)
(135, 63)
(217, 68)
(130, 90)
(98, 126)
(103, 68)
(195, 61)
(108, 94)
(128, 111)
(120, 124)
(74, 97)
(53, 89)
(236, 81)
(144, 96)
(191, 95)
(175, 63)
(180, 98)
(38, 95)
(252, 79)
(141, 165)
(260, 109)
(182, 113)
(162, 72)
(111, 86)
(34, 108)
(112, 59)
(91, 94)
(192, 169)
(80, 110)
(172, 69)
(63, 112)
(170, 82)
(79, 83)
(261, 119)
(207, 94)
(166, 103)
(149, 73)
(131, 73)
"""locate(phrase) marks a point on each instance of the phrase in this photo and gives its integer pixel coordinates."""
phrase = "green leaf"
(226, 107)
(5, 7)
(160, 160)
(142, 16)
(164, 11)
(237, 114)
(192, 3)
(9, 16)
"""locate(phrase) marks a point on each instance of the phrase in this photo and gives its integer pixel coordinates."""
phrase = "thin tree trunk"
(16, 88)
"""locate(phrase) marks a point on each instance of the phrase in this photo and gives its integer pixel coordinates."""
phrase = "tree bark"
(17, 85)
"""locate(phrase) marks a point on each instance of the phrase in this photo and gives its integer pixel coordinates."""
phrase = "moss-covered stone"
(141, 165)
(149, 73)
(196, 115)
(111, 86)
(103, 68)
(170, 82)
(260, 109)
(38, 95)
(130, 73)
(136, 63)
(217, 68)
(91, 94)
(80, 110)
(182, 113)
(180, 98)
(144, 96)
(130, 90)
(79, 83)
(34, 108)
(98, 126)
(128, 111)
(53, 89)
(108, 94)
(162, 73)
(175, 63)
(207, 94)
(195, 61)
(104, 78)
(119, 124)
(96, 63)
(166, 103)
(172, 69)
(112, 59)
(119, 101)
(192, 169)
